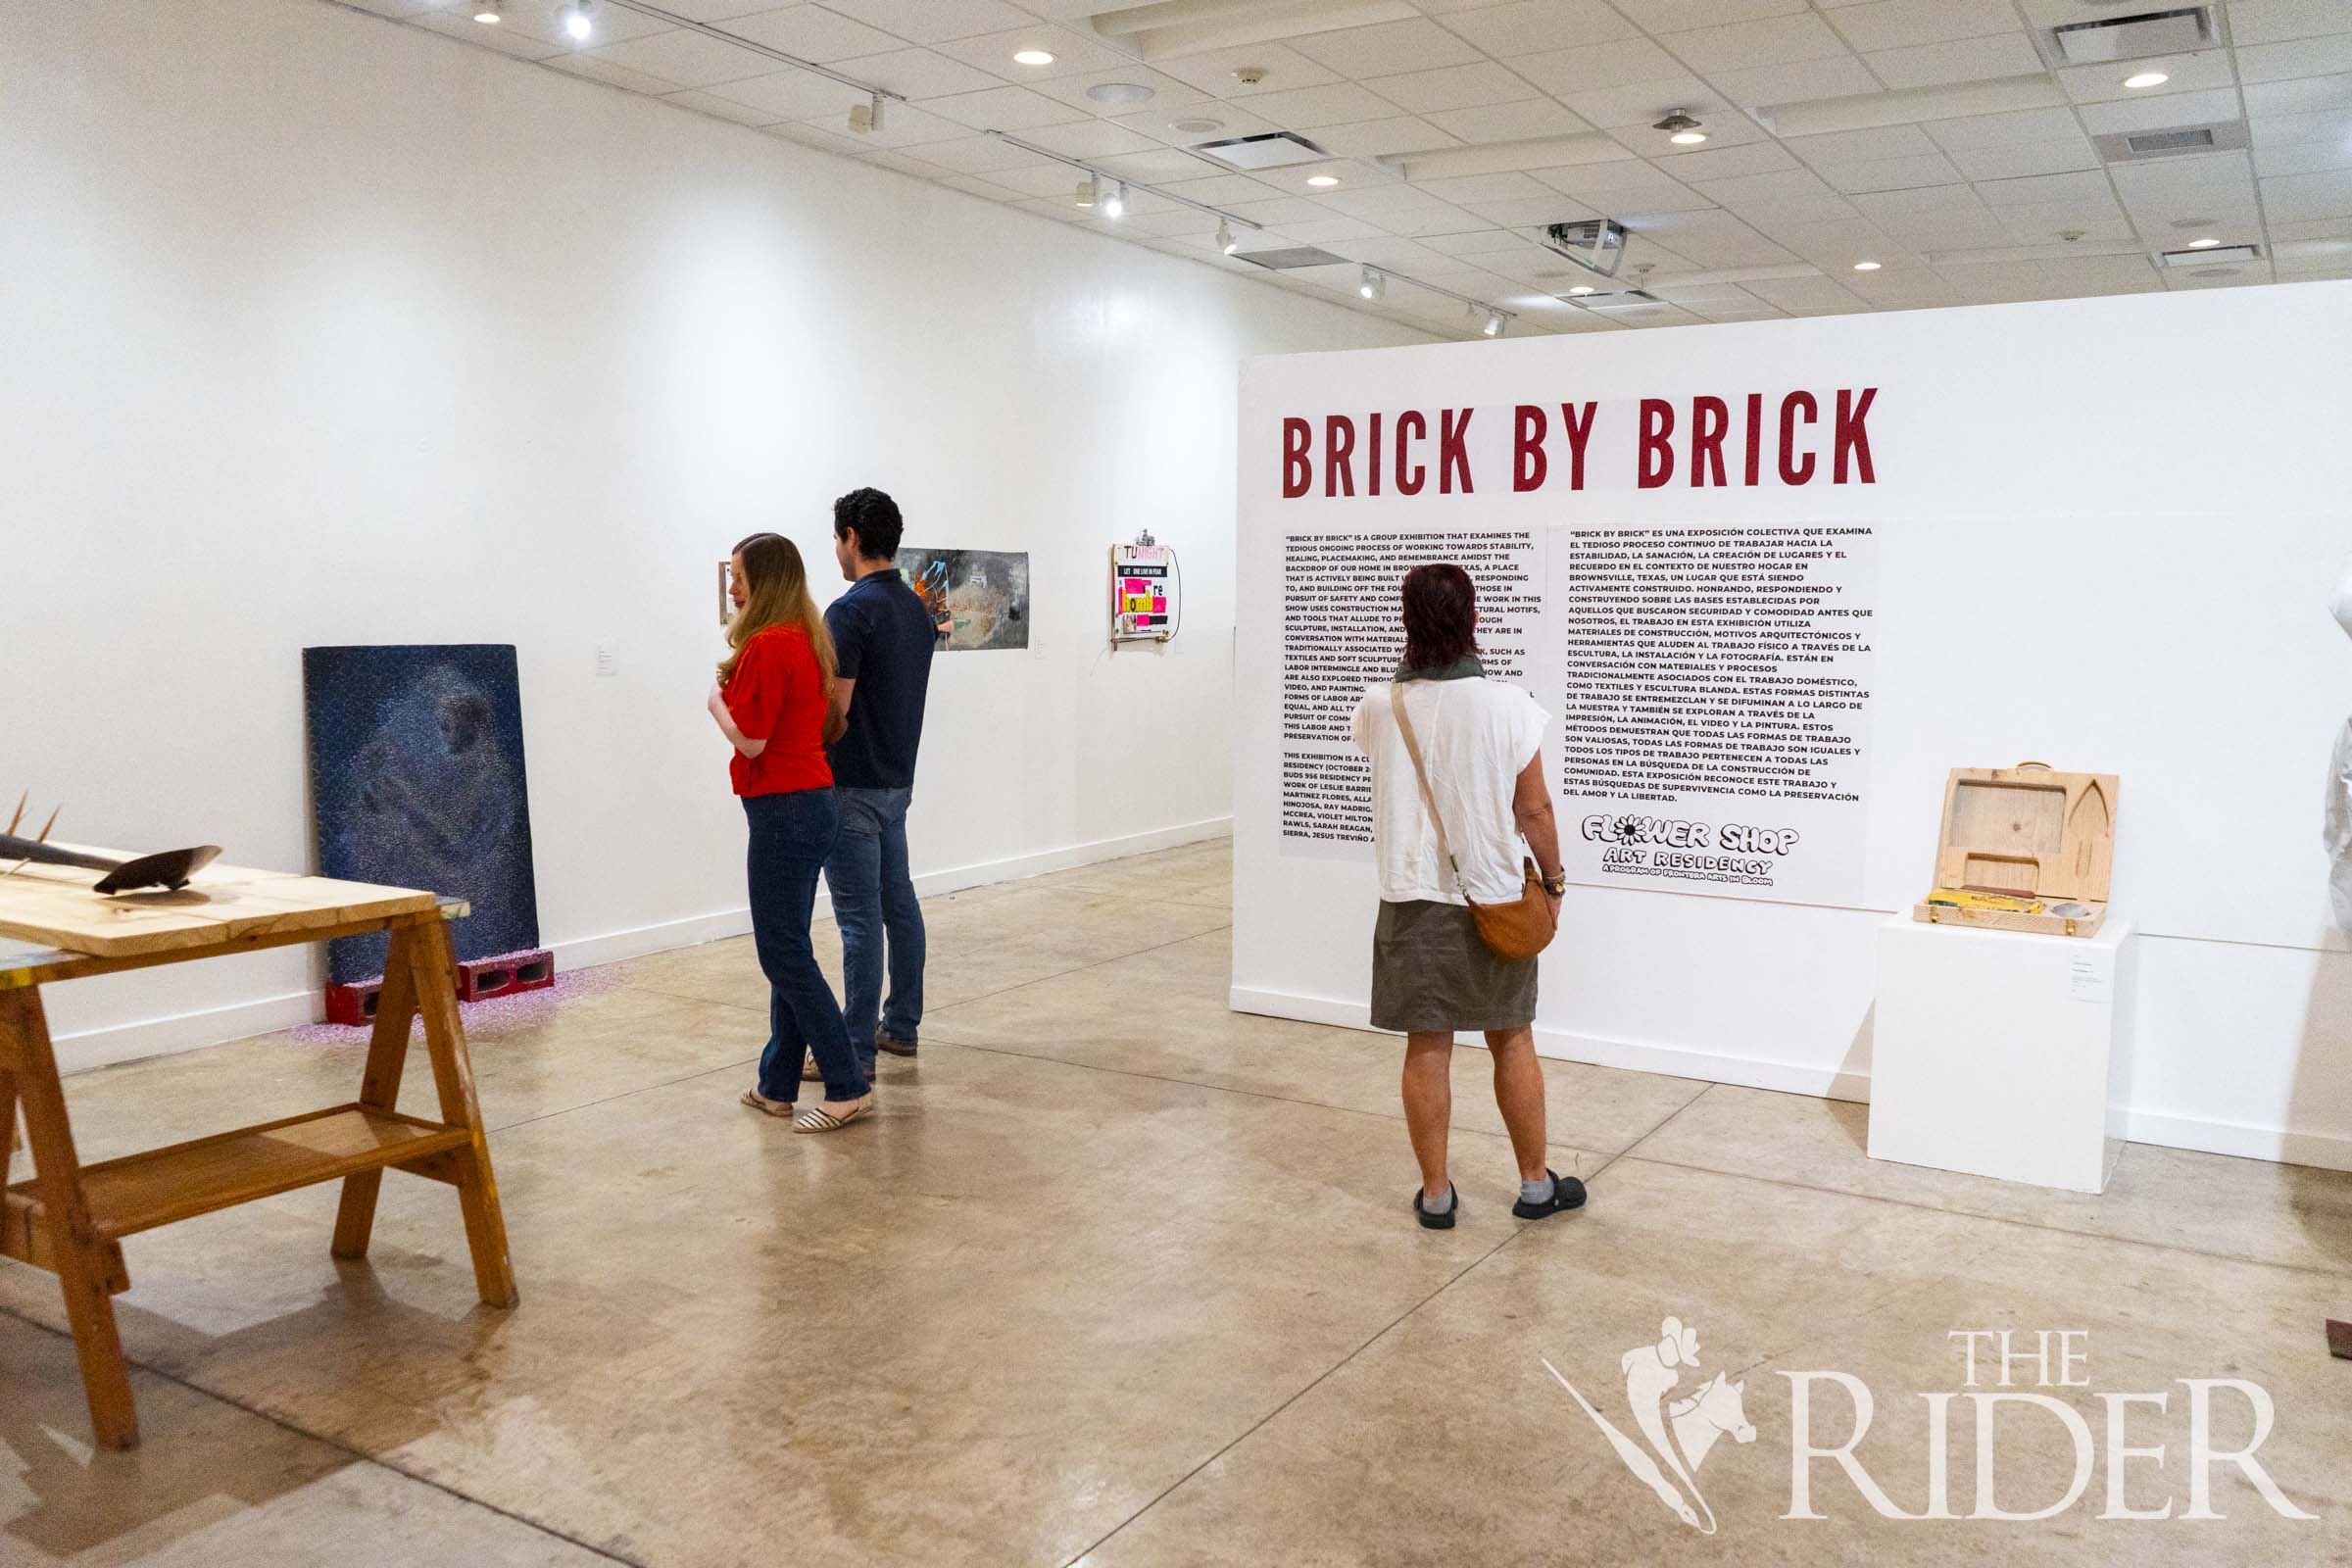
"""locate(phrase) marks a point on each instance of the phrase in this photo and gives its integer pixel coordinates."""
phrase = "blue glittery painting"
(417, 781)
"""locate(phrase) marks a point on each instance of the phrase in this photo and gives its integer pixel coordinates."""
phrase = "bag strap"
(1412, 748)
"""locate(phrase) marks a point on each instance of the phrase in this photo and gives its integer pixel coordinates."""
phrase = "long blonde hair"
(776, 594)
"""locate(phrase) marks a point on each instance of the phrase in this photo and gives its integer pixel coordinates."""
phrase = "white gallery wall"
(315, 328)
(2108, 534)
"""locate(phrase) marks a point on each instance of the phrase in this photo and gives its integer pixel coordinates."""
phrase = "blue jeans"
(791, 835)
(873, 898)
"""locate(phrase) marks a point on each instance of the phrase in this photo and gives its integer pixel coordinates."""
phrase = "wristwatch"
(1556, 886)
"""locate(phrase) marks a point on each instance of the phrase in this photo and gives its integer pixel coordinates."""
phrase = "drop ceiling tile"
(1160, 165)
(1376, 138)
(1451, 88)
(1212, 71)
(706, 103)
(2194, 73)
(2084, 185)
(986, 189)
(1476, 242)
(1937, 64)
(2007, 130)
(1889, 206)
(1004, 109)
(2305, 57)
(1386, 49)
(2304, 158)
(1907, 23)
(1159, 123)
(2290, 130)
(902, 125)
(1283, 210)
(2057, 219)
(1041, 179)
(919, 74)
(1484, 189)
(686, 59)
(1641, 103)
(605, 71)
(2303, 96)
(1861, 146)
(1093, 138)
(1760, 157)
(1628, 178)
(1171, 97)
(1328, 232)
(799, 95)
(1074, 53)
(1842, 76)
(932, 21)
(976, 155)
(2253, 22)
(2157, 114)
(1528, 120)
(1725, 129)
(1339, 103)
(2308, 198)
(812, 136)
(1591, 67)
(2018, 160)
(543, 19)
(1533, 213)
(1506, 31)
(1680, 15)
(1891, 174)
(813, 33)
(1773, 41)
(1220, 190)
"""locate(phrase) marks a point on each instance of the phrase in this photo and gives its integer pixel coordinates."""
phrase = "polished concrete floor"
(1118, 1277)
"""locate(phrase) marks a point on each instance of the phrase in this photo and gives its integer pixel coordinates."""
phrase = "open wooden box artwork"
(2024, 848)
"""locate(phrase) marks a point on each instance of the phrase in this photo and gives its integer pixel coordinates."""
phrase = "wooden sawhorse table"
(71, 1218)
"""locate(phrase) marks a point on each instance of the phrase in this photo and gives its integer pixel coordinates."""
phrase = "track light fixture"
(1114, 205)
(1225, 240)
(579, 25)
(1090, 190)
(1681, 130)
(1371, 285)
(1493, 327)
(866, 117)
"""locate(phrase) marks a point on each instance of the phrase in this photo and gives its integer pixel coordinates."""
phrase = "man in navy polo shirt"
(882, 638)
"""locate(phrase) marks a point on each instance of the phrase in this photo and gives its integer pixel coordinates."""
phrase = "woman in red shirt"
(769, 701)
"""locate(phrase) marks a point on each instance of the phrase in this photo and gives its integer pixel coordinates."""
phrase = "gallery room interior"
(1171, 782)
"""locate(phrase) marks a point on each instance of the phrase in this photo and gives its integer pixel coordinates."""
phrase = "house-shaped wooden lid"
(2027, 830)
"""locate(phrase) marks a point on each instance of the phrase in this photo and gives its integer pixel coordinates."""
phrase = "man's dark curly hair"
(875, 517)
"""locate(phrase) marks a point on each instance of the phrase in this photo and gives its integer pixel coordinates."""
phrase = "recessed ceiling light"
(1866, 266)
(579, 24)
(1685, 130)
(1581, 290)
(2205, 243)
(1032, 57)
(1322, 182)
(2148, 78)
(1195, 127)
(486, 13)
(1118, 93)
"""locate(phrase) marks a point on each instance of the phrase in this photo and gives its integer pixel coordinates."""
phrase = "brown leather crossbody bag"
(1519, 929)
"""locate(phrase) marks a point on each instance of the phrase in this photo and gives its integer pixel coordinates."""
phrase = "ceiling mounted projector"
(1595, 244)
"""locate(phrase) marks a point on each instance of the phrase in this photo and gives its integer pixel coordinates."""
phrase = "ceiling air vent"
(1272, 150)
(1287, 259)
(2210, 256)
(2171, 141)
(2133, 37)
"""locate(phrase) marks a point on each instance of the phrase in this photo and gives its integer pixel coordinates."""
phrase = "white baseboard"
(2327, 1151)
(111, 1044)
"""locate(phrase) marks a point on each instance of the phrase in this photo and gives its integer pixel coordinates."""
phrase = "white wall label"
(2090, 975)
(1716, 729)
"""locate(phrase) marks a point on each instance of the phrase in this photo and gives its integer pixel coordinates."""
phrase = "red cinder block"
(506, 974)
(354, 1004)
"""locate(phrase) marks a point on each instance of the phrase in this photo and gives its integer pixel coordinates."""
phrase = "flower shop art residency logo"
(2008, 1380)
(1680, 1434)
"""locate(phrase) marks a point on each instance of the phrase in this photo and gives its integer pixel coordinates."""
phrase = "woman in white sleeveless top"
(1432, 975)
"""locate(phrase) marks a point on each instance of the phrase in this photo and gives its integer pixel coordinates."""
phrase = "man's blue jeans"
(873, 899)
(791, 835)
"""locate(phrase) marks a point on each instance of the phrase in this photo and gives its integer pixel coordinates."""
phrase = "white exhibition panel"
(2107, 533)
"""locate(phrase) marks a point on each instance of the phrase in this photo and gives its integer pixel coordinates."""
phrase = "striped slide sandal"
(818, 1120)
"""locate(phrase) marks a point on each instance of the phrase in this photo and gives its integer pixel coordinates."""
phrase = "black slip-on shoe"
(1437, 1222)
(1566, 1193)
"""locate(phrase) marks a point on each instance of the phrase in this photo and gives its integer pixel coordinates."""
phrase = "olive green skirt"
(1430, 971)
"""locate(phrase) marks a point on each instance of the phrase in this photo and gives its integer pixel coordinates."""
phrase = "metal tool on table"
(165, 868)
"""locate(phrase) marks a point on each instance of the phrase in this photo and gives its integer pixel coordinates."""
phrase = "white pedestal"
(2002, 1053)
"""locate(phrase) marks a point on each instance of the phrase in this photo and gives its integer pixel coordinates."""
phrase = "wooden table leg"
(81, 1254)
(435, 981)
(379, 1086)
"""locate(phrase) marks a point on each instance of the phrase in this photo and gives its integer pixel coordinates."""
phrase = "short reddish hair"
(1441, 616)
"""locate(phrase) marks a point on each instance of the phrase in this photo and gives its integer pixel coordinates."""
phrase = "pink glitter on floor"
(486, 1020)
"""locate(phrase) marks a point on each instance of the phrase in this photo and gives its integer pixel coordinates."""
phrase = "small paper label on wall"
(2091, 977)
(608, 660)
